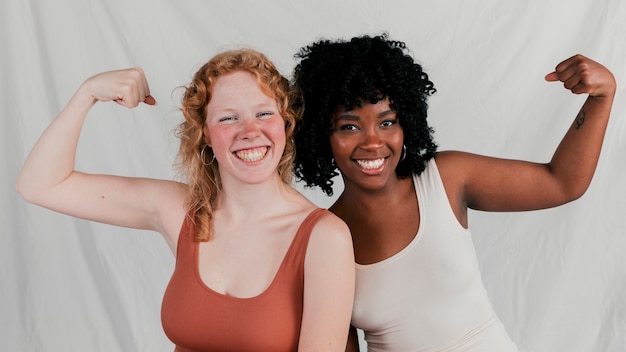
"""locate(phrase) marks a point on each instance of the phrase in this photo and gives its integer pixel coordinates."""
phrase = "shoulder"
(330, 225)
(456, 165)
(330, 236)
(166, 194)
(171, 209)
(448, 158)
(329, 260)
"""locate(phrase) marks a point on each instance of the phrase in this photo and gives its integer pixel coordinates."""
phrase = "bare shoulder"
(456, 166)
(331, 225)
(330, 233)
(455, 170)
(451, 159)
(174, 189)
(451, 165)
(171, 209)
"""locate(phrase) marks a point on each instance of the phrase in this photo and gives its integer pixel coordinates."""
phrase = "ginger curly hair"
(203, 180)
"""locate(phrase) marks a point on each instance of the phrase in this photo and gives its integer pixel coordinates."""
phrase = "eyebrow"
(347, 116)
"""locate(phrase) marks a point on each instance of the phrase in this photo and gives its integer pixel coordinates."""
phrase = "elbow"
(573, 193)
(26, 191)
(572, 188)
(37, 188)
(577, 194)
(23, 192)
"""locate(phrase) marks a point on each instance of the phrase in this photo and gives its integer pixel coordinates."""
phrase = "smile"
(252, 155)
(371, 164)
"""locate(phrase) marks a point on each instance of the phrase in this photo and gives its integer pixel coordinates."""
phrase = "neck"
(356, 200)
(244, 201)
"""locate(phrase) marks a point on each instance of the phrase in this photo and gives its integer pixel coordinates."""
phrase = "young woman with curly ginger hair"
(258, 266)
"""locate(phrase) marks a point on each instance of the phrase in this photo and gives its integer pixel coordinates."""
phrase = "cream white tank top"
(429, 296)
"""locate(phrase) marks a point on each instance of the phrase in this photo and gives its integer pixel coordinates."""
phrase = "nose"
(371, 140)
(250, 129)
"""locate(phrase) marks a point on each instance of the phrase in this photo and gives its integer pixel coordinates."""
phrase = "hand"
(582, 75)
(127, 87)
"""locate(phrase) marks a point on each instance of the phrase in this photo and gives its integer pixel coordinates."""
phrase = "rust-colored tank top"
(197, 318)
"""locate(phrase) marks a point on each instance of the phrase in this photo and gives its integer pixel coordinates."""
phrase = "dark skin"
(377, 236)
(382, 210)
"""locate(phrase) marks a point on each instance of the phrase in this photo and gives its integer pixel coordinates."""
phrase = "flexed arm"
(574, 161)
(493, 184)
(48, 177)
(51, 160)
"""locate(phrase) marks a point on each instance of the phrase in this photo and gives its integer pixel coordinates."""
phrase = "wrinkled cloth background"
(557, 278)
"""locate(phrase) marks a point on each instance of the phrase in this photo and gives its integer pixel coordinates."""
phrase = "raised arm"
(48, 177)
(574, 162)
(328, 287)
(493, 184)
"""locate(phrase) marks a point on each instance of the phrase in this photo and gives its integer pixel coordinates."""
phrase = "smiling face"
(367, 143)
(244, 128)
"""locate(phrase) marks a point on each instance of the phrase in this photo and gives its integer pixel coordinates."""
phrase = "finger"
(573, 82)
(552, 77)
(565, 69)
(150, 100)
(129, 95)
(144, 89)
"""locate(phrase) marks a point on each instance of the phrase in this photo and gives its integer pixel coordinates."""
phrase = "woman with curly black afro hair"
(418, 283)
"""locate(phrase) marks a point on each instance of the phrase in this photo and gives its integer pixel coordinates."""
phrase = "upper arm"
(328, 287)
(141, 203)
(495, 184)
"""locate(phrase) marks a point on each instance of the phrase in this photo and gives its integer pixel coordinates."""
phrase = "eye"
(346, 127)
(227, 119)
(388, 122)
(264, 115)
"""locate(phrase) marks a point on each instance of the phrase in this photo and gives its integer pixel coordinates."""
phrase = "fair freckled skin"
(257, 216)
(244, 128)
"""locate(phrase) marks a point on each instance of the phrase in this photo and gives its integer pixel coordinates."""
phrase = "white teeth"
(251, 155)
(371, 164)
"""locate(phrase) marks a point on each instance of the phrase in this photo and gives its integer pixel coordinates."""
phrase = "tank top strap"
(186, 242)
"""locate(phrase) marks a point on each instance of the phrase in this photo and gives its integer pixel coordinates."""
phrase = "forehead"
(234, 81)
(381, 107)
(237, 89)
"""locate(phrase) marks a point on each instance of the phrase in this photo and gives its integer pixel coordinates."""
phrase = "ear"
(205, 133)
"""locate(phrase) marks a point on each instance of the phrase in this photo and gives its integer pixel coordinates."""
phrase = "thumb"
(552, 77)
(150, 100)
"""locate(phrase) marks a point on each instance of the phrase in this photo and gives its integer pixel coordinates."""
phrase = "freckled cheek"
(277, 133)
(219, 138)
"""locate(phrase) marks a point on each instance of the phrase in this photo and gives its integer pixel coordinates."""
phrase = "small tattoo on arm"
(580, 119)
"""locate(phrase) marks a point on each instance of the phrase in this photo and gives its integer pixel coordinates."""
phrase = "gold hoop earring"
(202, 158)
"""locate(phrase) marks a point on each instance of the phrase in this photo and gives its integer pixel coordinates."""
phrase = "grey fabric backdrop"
(556, 277)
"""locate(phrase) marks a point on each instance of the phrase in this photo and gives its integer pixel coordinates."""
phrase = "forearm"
(52, 158)
(574, 162)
